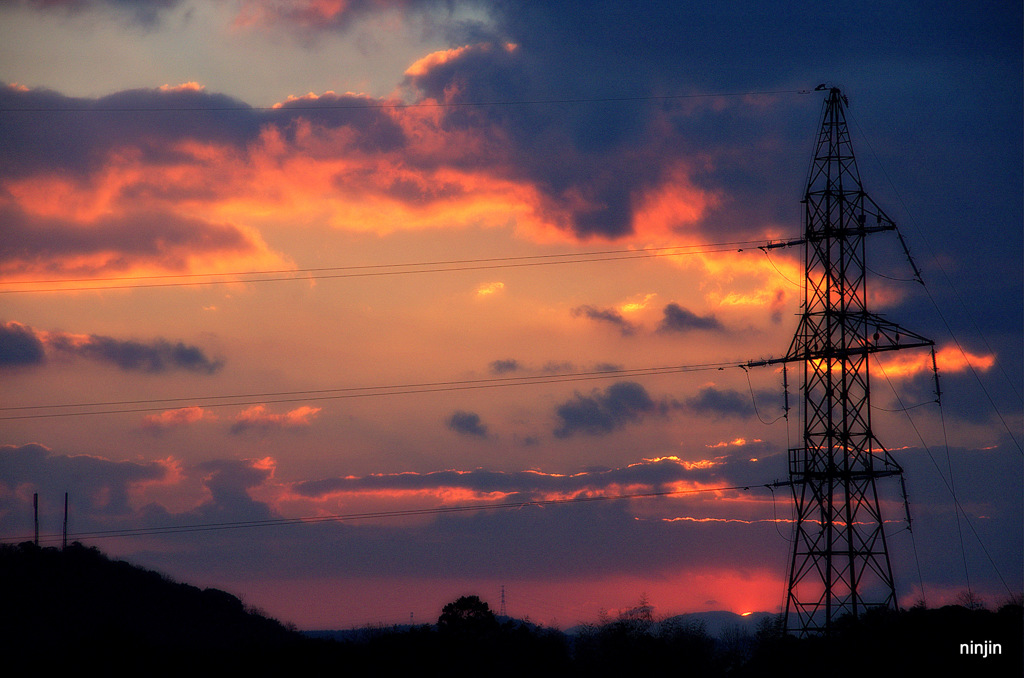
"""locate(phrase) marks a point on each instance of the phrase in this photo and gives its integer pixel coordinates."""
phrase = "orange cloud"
(80, 227)
(638, 305)
(305, 13)
(676, 203)
(371, 168)
(258, 417)
(692, 519)
(489, 289)
(180, 417)
(425, 64)
(907, 364)
(318, 175)
(190, 86)
(688, 465)
(736, 442)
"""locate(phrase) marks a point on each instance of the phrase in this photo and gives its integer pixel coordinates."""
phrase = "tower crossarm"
(887, 336)
(834, 233)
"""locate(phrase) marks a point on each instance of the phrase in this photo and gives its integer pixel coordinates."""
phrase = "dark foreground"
(73, 609)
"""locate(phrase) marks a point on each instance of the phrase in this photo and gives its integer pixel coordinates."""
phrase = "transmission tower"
(840, 562)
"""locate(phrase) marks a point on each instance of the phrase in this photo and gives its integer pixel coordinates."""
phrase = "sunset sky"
(297, 259)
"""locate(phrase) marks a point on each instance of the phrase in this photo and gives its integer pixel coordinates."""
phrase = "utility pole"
(64, 543)
(840, 561)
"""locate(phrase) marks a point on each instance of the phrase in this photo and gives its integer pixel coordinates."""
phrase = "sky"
(345, 307)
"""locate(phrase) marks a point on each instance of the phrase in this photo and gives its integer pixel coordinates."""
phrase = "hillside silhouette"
(74, 608)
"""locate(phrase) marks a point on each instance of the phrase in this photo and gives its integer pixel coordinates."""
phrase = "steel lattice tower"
(840, 562)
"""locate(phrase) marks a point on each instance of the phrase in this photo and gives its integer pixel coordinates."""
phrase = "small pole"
(35, 509)
(65, 543)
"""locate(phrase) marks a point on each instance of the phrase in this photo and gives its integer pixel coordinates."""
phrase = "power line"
(374, 270)
(351, 267)
(308, 395)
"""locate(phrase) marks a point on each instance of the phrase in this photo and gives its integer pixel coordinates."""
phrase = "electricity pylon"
(840, 562)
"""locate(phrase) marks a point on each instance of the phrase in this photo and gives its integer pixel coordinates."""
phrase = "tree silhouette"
(467, 615)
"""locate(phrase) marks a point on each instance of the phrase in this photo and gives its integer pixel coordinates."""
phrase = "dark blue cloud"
(602, 412)
(19, 346)
(504, 366)
(57, 246)
(45, 130)
(605, 315)
(22, 345)
(95, 485)
(135, 356)
(467, 423)
(679, 319)
(716, 402)
(229, 482)
(567, 152)
(744, 44)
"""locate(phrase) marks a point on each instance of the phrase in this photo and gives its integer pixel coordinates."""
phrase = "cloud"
(605, 411)
(182, 416)
(504, 366)
(19, 346)
(490, 289)
(96, 485)
(605, 315)
(551, 178)
(649, 474)
(365, 163)
(571, 539)
(679, 319)
(467, 423)
(316, 14)
(106, 494)
(117, 243)
(667, 165)
(101, 139)
(712, 401)
(144, 12)
(229, 482)
(676, 319)
(258, 418)
(948, 359)
(477, 541)
(565, 158)
(155, 357)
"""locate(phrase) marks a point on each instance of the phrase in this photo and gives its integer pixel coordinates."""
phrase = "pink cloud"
(182, 416)
(310, 14)
(257, 417)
